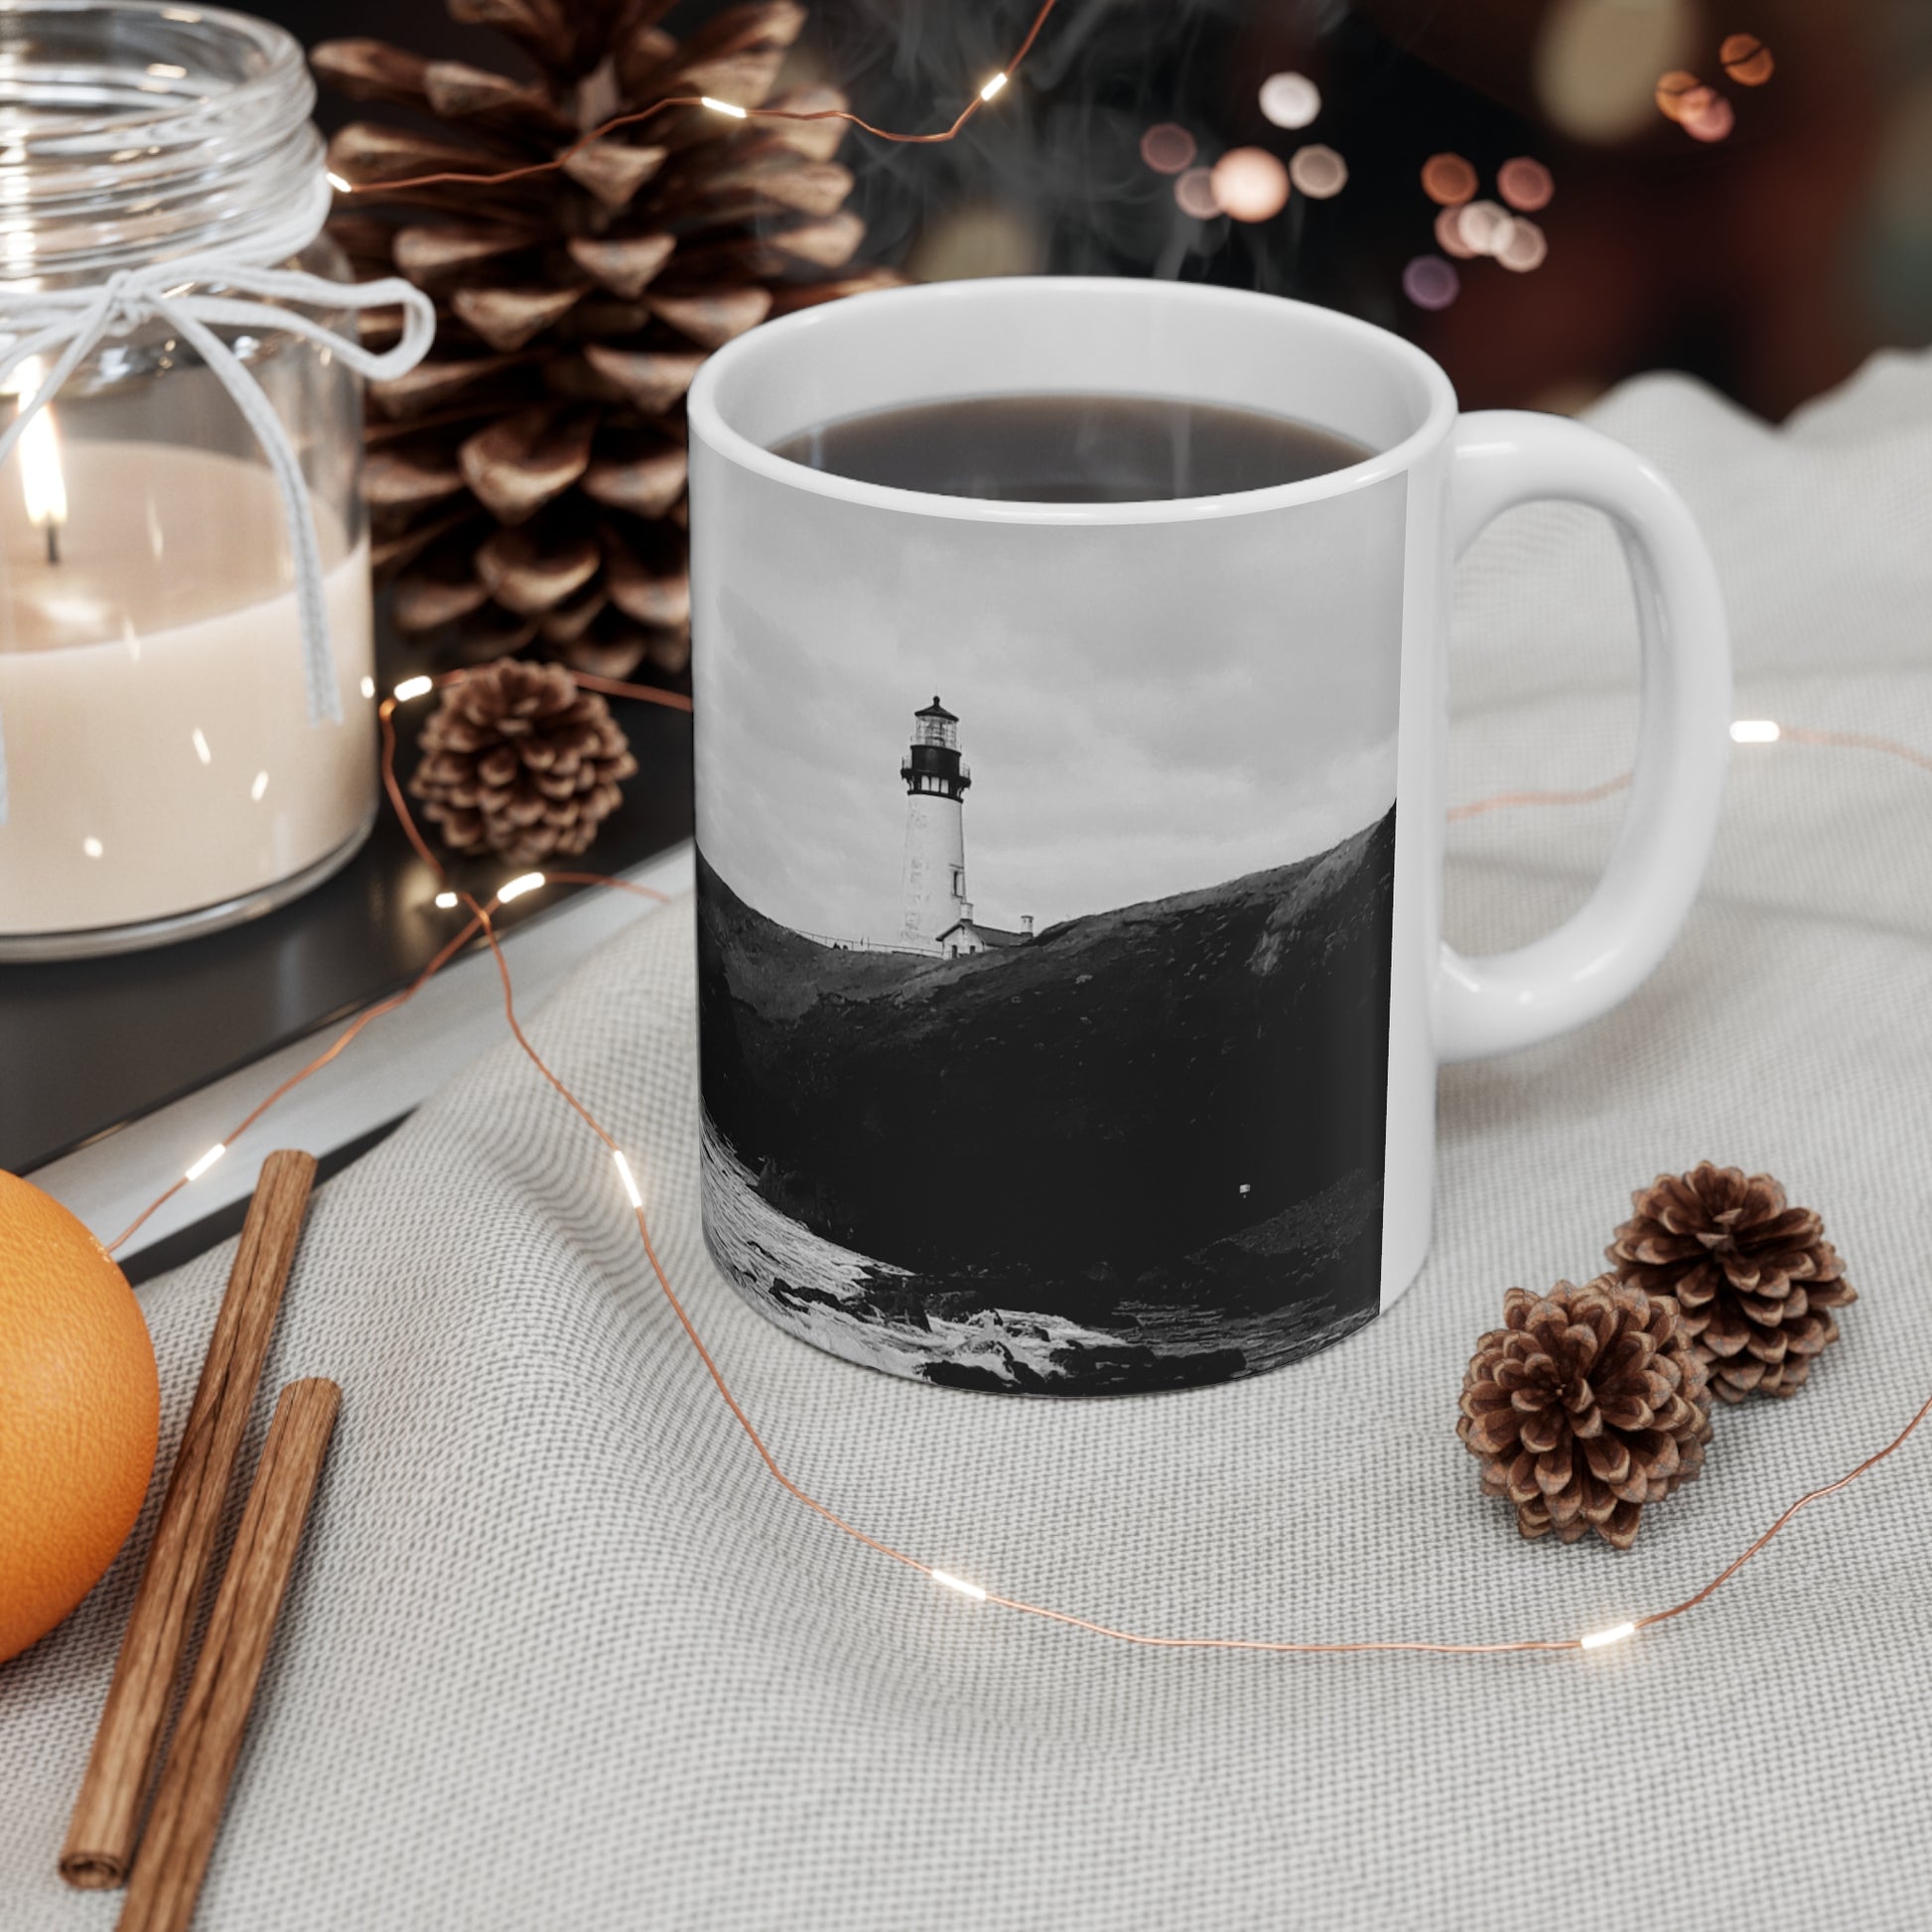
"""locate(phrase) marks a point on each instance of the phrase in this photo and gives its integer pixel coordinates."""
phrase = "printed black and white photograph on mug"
(1045, 961)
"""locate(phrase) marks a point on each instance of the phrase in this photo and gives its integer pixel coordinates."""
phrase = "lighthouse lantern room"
(935, 779)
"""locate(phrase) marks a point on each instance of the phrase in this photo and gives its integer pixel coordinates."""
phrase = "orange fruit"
(80, 1413)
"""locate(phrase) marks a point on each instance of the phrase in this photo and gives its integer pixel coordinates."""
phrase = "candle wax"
(152, 693)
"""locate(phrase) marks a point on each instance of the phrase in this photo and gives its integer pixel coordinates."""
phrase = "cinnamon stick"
(107, 1814)
(194, 1787)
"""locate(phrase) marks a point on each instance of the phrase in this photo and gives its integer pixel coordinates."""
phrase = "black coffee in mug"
(1072, 449)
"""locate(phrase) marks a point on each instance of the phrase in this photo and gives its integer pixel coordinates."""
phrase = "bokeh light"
(1167, 148)
(1596, 63)
(1672, 91)
(1194, 190)
(1525, 184)
(1290, 100)
(1449, 233)
(1447, 178)
(1694, 101)
(1525, 247)
(1711, 119)
(1746, 60)
(1485, 227)
(1250, 183)
(1318, 172)
(1431, 282)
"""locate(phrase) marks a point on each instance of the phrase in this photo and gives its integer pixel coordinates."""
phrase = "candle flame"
(41, 481)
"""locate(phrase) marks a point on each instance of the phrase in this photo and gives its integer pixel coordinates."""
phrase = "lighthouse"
(935, 898)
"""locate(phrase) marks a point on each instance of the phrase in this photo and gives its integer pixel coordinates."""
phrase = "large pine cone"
(527, 480)
(521, 763)
(1756, 1278)
(1586, 1405)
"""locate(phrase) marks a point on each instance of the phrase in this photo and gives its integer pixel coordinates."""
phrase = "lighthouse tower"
(935, 832)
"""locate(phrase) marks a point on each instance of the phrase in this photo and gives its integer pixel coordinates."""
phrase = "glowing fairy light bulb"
(445, 901)
(724, 107)
(1755, 731)
(43, 482)
(413, 687)
(947, 1581)
(524, 882)
(1614, 1634)
(336, 182)
(629, 1179)
(993, 87)
(206, 1161)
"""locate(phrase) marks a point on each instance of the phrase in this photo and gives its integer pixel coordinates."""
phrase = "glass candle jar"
(169, 769)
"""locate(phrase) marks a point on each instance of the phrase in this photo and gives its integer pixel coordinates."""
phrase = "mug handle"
(1598, 956)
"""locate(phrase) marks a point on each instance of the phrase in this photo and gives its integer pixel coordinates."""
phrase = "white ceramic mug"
(1155, 1105)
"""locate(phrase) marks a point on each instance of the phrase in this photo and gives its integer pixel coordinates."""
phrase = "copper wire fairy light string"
(481, 920)
(672, 700)
(1506, 800)
(1809, 1496)
(804, 1495)
(1855, 742)
(1765, 731)
(396, 1000)
(727, 107)
(1111, 1631)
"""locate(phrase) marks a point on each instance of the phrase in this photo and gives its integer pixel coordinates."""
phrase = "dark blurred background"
(1769, 260)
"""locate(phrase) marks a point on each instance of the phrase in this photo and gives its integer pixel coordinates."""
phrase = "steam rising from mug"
(1061, 185)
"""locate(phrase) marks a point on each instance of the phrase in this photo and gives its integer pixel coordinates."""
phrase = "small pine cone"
(521, 763)
(1585, 1405)
(1756, 1280)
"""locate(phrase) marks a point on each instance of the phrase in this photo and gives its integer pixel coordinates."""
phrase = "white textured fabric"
(560, 1654)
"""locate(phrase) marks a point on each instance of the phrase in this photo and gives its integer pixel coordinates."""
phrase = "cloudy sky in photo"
(1145, 709)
